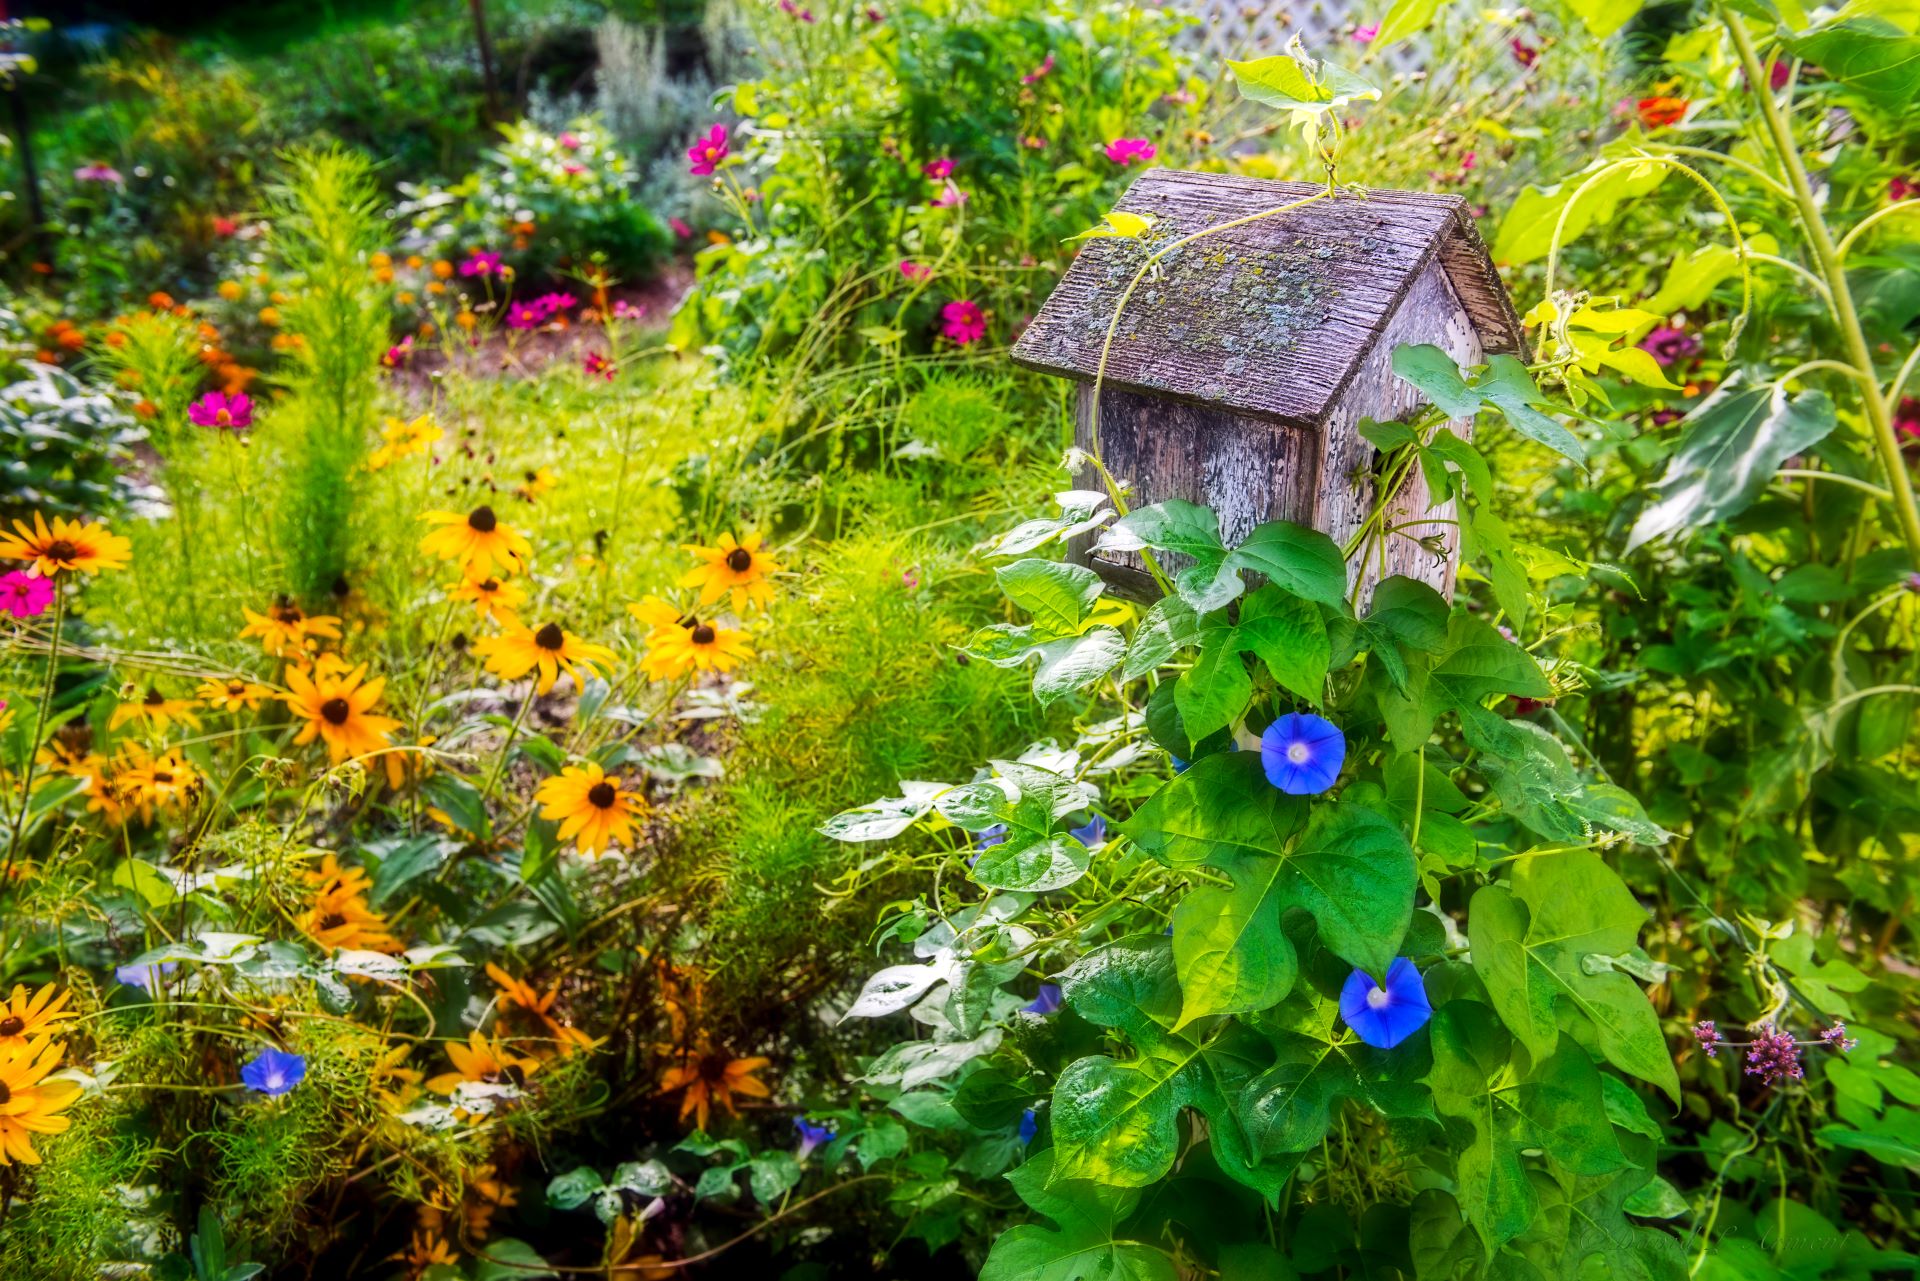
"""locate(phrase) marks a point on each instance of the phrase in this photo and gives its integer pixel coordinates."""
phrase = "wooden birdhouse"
(1244, 364)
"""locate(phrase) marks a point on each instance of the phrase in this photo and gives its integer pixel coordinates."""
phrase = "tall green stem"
(39, 732)
(1879, 415)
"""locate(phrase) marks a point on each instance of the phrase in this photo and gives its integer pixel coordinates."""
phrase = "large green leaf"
(1222, 806)
(1526, 233)
(1302, 561)
(1057, 595)
(1730, 447)
(1296, 83)
(1085, 1243)
(1228, 947)
(1869, 55)
(1506, 386)
(1033, 856)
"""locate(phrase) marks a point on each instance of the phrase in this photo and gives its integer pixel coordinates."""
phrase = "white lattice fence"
(1236, 29)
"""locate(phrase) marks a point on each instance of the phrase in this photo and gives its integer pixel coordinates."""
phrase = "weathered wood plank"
(1249, 470)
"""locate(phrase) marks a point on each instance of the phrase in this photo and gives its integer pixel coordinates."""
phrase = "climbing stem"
(1879, 414)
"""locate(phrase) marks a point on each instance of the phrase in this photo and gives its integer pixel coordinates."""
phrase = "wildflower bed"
(505, 777)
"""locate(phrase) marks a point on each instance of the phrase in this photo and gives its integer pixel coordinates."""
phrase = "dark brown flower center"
(713, 1068)
(12, 1025)
(155, 698)
(489, 585)
(331, 921)
(550, 637)
(61, 549)
(602, 795)
(336, 711)
(161, 777)
(482, 520)
(285, 611)
(6, 1095)
(235, 689)
(739, 560)
(702, 634)
(515, 1075)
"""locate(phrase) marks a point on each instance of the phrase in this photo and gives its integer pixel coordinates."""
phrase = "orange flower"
(711, 1077)
(22, 1016)
(739, 569)
(1658, 113)
(482, 1062)
(285, 626)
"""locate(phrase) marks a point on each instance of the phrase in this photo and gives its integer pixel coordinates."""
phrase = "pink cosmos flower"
(481, 263)
(1779, 73)
(1367, 34)
(939, 170)
(225, 226)
(915, 271)
(1124, 151)
(98, 173)
(554, 304)
(707, 153)
(597, 366)
(525, 315)
(624, 310)
(680, 228)
(963, 322)
(1899, 189)
(793, 10)
(24, 595)
(1523, 53)
(950, 197)
(398, 355)
(568, 141)
(874, 15)
(1906, 417)
(221, 411)
(573, 169)
(1040, 72)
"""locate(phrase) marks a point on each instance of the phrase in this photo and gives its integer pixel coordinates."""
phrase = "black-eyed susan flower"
(144, 784)
(482, 1061)
(518, 994)
(487, 1195)
(693, 646)
(711, 1077)
(535, 486)
(156, 711)
(479, 542)
(69, 546)
(495, 599)
(337, 707)
(340, 919)
(29, 1103)
(739, 569)
(403, 439)
(233, 695)
(23, 1017)
(592, 808)
(655, 613)
(552, 649)
(287, 629)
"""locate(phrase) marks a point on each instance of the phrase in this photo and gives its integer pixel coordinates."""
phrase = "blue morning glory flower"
(1029, 1126)
(144, 977)
(273, 1072)
(1385, 1016)
(1046, 1003)
(1094, 833)
(1303, 753)
(1179, 766)
(811, 1136)
(985, 839)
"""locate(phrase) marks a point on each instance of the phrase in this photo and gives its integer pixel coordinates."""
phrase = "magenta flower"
(874, 15)
(573, 169)
(1523, 53)
(624, 310)
(221, 411)
(596, 365)
(950, 197)
(1367, 34)
(1837, 1038)
(915, 271)
(963, 322)
(707, 153)
(1666, 345)
(680, 228)
(1899, 189)
(1124, 151)
(525, 315)
(481, 263)
(1906, 417)
(554, 304)
(98, 173)
(570, 142)
(793, 10)
(398, 355)
(1774, 1056)
(1040, 72)
(25, 595)
(1709, 1037)
(939, 170)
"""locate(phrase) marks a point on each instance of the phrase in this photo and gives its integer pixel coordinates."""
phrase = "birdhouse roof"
(1271, 318)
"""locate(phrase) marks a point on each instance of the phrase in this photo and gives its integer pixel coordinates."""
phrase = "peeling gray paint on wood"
(1243, 365)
